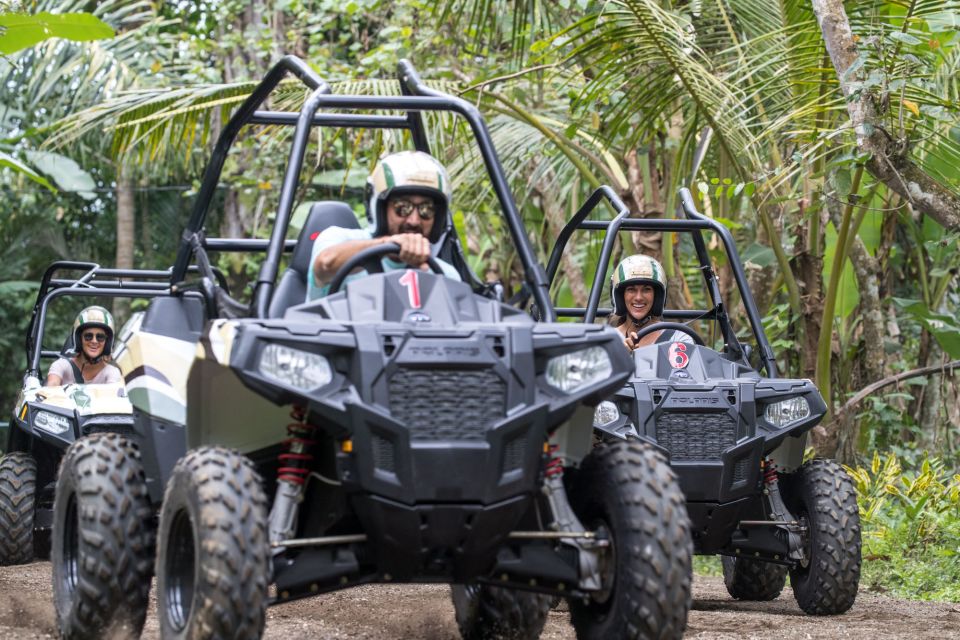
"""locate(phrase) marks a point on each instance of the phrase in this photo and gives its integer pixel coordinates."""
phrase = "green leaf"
(759, 255)
(21, 31)
(905, 38)
(7, 160)
(65, 172)
(944, 21)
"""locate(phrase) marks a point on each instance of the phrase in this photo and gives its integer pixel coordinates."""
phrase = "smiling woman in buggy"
(638, 290)
(93, 341)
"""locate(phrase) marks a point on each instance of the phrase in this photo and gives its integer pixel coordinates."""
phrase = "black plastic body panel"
(708, 418)
(161, 443)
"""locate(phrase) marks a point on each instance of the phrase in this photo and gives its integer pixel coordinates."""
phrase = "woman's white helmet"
(408, 172)
(638, 269)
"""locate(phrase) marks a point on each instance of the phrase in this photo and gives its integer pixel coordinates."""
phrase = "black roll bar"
(694, 223)
(746, 295)
(35, 350)
(411, 85)
(415, 99)
(211, 175)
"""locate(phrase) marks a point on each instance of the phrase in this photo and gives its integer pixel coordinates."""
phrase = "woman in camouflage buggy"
(93, 341)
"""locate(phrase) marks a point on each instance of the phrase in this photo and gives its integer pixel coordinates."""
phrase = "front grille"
(447, 404)
(383, 455)
(513, 453)
(741, 470)
(696, 436)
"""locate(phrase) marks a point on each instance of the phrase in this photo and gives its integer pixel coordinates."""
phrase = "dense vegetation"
(801, 139)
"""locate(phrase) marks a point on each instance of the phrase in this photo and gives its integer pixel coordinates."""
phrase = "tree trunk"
(126, 228)
(555, 215)
(889, 159)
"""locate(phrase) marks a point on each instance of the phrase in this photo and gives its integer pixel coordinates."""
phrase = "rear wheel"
(822, 496)
(212, 561)
(18, 488)
(102, 544)
(629, 490)
(485, 612)
(749, 579)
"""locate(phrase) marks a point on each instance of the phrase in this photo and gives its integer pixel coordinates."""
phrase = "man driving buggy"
(93, 340)
(409, 203)
(638, 289)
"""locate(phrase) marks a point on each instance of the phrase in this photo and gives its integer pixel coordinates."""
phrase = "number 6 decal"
(411, 281)
(678, 355)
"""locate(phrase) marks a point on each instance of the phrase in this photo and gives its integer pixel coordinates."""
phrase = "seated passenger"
(93, 340)
(639, 291)
(409, 204)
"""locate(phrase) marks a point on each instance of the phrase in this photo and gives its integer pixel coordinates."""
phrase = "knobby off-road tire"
(822, 494)
(18, 487)
(628, 489)
(749, 579)
(486, 612)
(102, 543)
(212, 561)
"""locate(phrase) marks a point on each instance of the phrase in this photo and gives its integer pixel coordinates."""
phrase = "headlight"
(573, 371)
(51, 422)
(786, 412)
(606, 413)
(295, 368)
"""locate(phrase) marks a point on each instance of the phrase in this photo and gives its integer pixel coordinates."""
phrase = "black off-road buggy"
(405, 428)
(734, 438)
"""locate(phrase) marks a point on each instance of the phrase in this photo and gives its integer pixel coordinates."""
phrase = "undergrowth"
(910, 520)
(911, 528)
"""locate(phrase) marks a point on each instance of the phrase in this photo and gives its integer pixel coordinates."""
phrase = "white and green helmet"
(413, 172)
(638, 269)
(94, 316)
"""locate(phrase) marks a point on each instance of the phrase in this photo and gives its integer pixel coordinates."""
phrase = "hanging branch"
(889, 159)
(879, 384)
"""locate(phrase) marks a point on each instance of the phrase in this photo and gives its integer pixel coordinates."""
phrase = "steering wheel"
(675, 326)
(369, 258)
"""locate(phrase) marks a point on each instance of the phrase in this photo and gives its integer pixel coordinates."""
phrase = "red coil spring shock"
(554, 464)
(295, 463)
(769, 472)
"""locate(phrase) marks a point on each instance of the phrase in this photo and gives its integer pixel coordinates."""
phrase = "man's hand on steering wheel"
(414, 248)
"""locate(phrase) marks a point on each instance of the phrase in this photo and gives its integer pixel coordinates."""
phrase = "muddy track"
(424, 612)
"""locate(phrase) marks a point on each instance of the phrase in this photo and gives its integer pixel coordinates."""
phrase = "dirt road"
(425, 613)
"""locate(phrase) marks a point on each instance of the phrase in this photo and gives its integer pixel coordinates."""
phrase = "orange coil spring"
(555, 464)
(295, 463)
(769, 472)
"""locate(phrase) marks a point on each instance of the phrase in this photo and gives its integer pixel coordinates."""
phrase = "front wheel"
(822, 496)
(212, 560)
(750, 579)
(629, 490)
(102, 547)
(18, 488)
(485, 612)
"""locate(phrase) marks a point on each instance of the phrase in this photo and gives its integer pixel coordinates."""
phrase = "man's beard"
(411, 228)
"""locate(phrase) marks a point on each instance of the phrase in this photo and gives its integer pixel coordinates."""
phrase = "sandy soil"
(424, 612)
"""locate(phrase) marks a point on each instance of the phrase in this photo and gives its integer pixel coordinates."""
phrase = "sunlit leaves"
(20, 31)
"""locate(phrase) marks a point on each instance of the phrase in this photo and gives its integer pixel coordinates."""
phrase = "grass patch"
(707, 566)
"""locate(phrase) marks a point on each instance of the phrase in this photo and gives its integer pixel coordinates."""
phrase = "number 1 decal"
(677, 355)
(412, 282)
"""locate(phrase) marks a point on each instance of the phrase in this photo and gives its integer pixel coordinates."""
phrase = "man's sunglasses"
(404, 208)
(90, 337)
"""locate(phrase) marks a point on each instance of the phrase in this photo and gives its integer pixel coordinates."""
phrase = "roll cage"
(89, 280)
(694, 224)
(415, 99)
